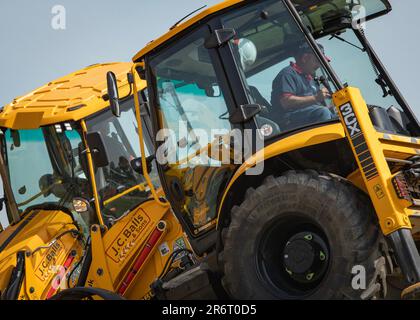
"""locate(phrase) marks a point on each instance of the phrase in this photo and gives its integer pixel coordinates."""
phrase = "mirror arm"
(92, 175)
(13, 208)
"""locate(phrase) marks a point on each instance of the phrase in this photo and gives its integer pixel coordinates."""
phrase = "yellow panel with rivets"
(46, 240)
(69, 98)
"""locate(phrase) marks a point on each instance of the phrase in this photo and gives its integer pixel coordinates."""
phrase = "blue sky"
(33, 53)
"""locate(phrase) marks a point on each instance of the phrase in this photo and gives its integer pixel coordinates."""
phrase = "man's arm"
(292, 102)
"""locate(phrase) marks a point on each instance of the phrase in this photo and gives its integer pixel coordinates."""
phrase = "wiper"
(348, 42)
(380, 80)
(188, 15)
(385, 89)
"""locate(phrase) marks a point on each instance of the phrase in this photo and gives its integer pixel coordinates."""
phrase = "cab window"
(194, 113)
(280, 70)
(120, 188)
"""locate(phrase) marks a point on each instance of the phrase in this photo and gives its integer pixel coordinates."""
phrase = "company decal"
(125, 240)
(46, 267)
(358, 141)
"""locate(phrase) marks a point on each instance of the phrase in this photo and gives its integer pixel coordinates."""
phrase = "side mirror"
(137, 166)
(114, 98)
(98, 150)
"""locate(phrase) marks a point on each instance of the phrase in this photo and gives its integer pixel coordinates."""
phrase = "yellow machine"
(258, 200)
(75, 221)
(320, 204)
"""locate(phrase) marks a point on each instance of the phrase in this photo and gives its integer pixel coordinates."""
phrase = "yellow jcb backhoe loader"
(325, 200)
(273, 203)
(60, 199)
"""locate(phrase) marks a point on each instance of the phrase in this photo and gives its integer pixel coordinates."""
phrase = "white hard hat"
(247, 52)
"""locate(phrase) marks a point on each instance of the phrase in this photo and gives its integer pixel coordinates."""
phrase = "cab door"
(120, 188)
(192, 108)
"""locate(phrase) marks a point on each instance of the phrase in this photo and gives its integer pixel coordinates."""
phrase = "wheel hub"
(305, 257)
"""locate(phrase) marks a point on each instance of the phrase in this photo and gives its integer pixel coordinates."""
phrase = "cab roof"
(187, 23)
(70, 98)
(184, 25)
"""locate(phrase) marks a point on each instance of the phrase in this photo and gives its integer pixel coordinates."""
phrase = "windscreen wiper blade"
(348, 42)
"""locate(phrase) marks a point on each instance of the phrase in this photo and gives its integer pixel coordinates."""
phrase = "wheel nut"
(308, 237)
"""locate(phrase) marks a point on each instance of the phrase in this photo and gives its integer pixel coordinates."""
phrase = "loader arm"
(393, 202)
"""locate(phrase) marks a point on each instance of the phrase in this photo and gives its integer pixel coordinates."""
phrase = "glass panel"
(194, 110)
(346, 55)
(26, 183)
(324, 16)
(121, 141)
(56, 176)
(281, 71)
(346, 52)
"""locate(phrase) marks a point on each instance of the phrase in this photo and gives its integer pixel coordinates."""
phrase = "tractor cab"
(55, 143)
(70, 167)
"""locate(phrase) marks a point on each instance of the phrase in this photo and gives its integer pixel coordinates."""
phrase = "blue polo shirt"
(292, 81)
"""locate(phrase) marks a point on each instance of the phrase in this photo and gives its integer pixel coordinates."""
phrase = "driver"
(114, 147)
(296, 92)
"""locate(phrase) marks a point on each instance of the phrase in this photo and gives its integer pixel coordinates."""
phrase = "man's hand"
(292, 102)
(322, 95)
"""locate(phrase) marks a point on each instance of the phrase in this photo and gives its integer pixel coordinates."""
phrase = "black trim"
(359, 140)
(366, 162)
(361, 148)
(219, 37)
(369, 167)
(87, 261)
(16, 279)
(86, 292)
(21, 226)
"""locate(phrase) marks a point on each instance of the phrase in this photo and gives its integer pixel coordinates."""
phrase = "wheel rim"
(293, 256)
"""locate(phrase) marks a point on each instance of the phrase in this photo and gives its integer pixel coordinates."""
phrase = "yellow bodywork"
(74, 98)
(35, 236)
(393, 213)
(115, 251)
(129, 256)
(183, 26)
(70, 98)
(371, 146)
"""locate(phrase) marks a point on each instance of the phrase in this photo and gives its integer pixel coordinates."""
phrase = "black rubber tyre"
(299, 236)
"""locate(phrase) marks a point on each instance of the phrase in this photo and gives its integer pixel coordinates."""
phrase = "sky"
(33, 53)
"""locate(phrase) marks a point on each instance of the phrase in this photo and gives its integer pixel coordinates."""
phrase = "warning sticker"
(179, 244)
(164, 249)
